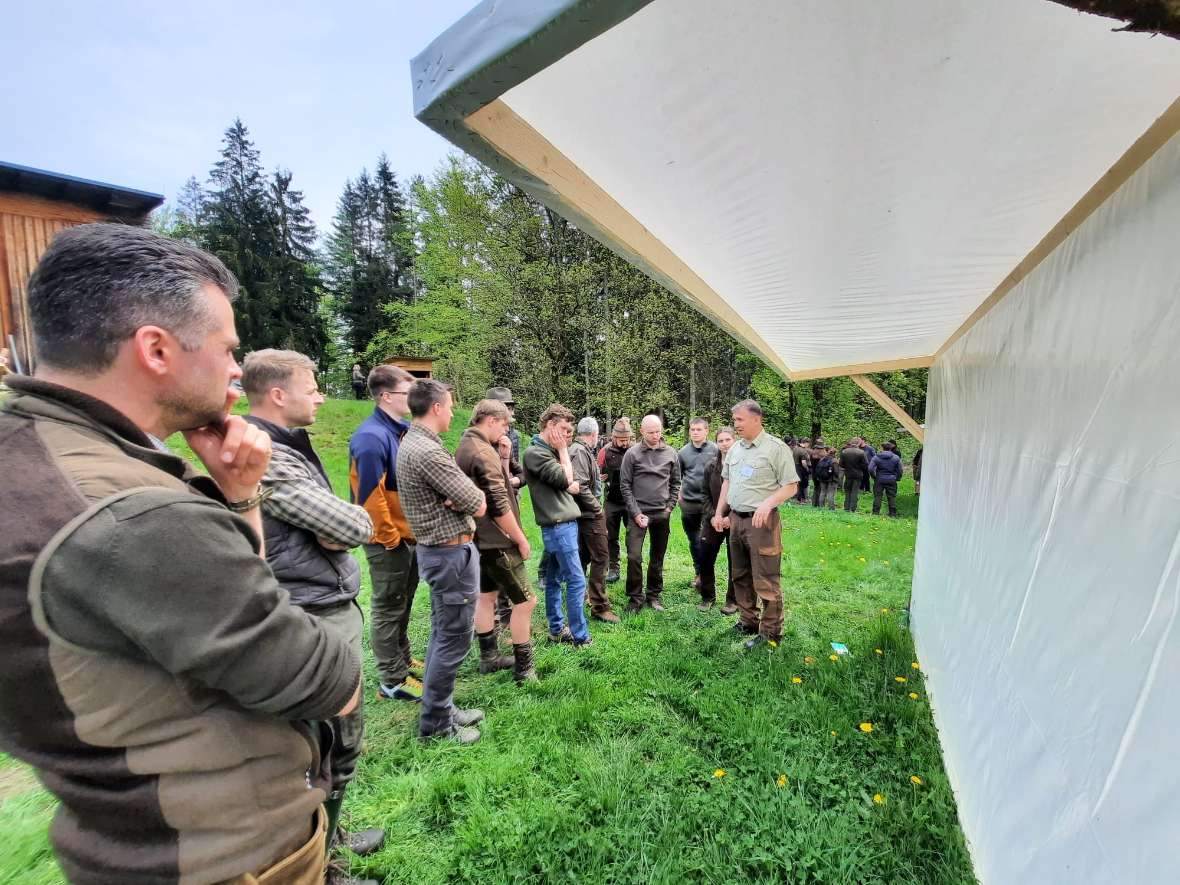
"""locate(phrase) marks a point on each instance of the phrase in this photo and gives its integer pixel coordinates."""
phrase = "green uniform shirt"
(756, 470)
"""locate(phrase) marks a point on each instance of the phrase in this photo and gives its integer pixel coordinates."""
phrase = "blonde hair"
(489, 408)
(264, 369)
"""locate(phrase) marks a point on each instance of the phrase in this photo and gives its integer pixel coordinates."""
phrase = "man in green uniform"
(758, 476)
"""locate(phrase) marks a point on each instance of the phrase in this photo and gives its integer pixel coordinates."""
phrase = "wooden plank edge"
(890, 405)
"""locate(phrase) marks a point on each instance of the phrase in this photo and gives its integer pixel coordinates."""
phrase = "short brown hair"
(386, 378)
(748, 405)
(264, 369)
(489, 408)
(556, 412)
(698, 420)
(425, 393)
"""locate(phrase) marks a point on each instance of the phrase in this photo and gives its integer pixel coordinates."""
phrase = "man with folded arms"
(441, 504)
(758, 477)
(503, 548)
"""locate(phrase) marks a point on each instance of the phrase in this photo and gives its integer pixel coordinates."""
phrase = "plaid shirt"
(298, 499)
(427, 475)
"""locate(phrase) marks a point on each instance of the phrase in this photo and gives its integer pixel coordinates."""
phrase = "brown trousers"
(304, 866)
(592, 547)
(755, 558)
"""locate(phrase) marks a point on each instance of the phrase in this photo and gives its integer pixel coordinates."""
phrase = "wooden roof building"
(34, 206)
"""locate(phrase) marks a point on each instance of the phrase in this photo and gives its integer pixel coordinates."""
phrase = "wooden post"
(885, 402)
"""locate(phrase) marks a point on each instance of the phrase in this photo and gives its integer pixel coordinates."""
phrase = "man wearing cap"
(650, 480)
(592, 525)
(610, 461)
(758, 476)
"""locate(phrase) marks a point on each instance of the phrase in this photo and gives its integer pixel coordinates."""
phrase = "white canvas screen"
(853, 178)
(1047, 581)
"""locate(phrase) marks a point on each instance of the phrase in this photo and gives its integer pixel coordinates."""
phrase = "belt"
(747, 515)
(457, 541)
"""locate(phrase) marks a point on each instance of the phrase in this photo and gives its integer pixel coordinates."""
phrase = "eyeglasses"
(405, 392)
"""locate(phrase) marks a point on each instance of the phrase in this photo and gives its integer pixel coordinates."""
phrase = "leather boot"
(524, 671)
(490, 659)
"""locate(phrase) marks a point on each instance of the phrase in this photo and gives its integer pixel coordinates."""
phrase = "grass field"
(664, 753)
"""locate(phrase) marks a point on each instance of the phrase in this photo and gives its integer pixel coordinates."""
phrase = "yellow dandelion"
(781, 781)
(860, 558)
(900, 679)
(913, 695)
(720, 772)
(866, 727)
(878, 651)
(915, 780)
(833, 657)
(833, 732)
(886, 562)
(772, 643)
(878, 798)
(914, 666)
(809, 660)
(884, 611)
(796, 680)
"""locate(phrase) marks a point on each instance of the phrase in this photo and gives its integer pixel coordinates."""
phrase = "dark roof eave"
(100, 196)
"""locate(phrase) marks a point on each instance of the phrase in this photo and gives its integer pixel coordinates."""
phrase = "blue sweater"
(886, 466)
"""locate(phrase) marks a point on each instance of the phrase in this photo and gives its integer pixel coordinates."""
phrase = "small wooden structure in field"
(419, 367)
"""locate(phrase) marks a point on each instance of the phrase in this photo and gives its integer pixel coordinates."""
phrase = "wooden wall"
(27, 226)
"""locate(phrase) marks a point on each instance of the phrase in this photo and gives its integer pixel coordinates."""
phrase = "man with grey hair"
(757, 478)
(592, 523)
(650, 480)
(166, 697)
(308, 533)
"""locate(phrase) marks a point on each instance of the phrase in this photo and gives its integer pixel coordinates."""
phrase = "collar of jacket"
(753, 443)
(425, 431)
(661, 444)
(295, 438)
(41, 399)
(537, 441)
(397, 425)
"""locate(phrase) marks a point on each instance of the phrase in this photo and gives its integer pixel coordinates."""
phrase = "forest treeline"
(463, 267)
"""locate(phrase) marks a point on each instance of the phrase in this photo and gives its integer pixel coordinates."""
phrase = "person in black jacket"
(856, 468)
(886, 470)
(711, 540)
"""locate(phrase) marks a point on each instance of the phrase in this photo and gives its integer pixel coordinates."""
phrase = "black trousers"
(616, 518)
(659, 528)
(889, 488)
(711, 543)
(852, 481)
(691, 523)
(801, 493)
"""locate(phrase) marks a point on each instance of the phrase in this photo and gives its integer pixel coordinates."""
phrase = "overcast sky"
(138, 94)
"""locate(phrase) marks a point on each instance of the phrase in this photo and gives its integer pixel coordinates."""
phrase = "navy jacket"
(886, 466)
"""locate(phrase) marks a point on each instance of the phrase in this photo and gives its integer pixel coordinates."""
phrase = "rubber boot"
(524, 671)
(332, 806)
(490, 659)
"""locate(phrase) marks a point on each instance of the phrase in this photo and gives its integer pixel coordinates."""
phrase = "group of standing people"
(854, 465)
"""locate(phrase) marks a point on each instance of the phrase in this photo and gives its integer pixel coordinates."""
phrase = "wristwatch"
(252, 502)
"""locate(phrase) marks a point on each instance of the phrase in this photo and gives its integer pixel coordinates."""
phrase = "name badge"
(747, 471)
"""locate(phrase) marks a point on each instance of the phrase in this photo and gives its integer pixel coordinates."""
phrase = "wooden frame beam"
(886, 402)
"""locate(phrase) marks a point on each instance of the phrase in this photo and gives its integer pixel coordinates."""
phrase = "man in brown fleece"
(503, 547)
(155, 675)
(650, 478)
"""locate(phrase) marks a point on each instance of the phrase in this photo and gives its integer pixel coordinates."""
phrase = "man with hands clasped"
(650, 480)
(156, 675)
(758, 476)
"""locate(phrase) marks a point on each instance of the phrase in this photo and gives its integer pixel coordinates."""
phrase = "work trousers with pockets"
(593, 551)
(887, 487)
(690, 521)
(348, 731)
(394, 575)
(755, 556)
(453, 576)
(616, 518)
(825, 494)
(303, 866)
(659, 527)
(852, 480)
(711, 543)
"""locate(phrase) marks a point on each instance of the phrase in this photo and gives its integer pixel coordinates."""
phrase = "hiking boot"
(464, 718)
(656, 606)
(461, 736)
(362, 843)
(490, 659)
(612, 576)
(705, 605)
(585, 643)
(564, 636)
(410, 690)
(524, 671)
(728, 609)
(607, 617)
(633, 608)
(743, 629)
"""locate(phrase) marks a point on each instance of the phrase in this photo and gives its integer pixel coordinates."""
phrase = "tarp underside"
(853, 179)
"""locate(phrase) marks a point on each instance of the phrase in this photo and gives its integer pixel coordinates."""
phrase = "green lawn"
(664, 753)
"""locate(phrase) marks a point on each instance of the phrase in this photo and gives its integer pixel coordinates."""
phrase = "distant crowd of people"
(183, 649)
